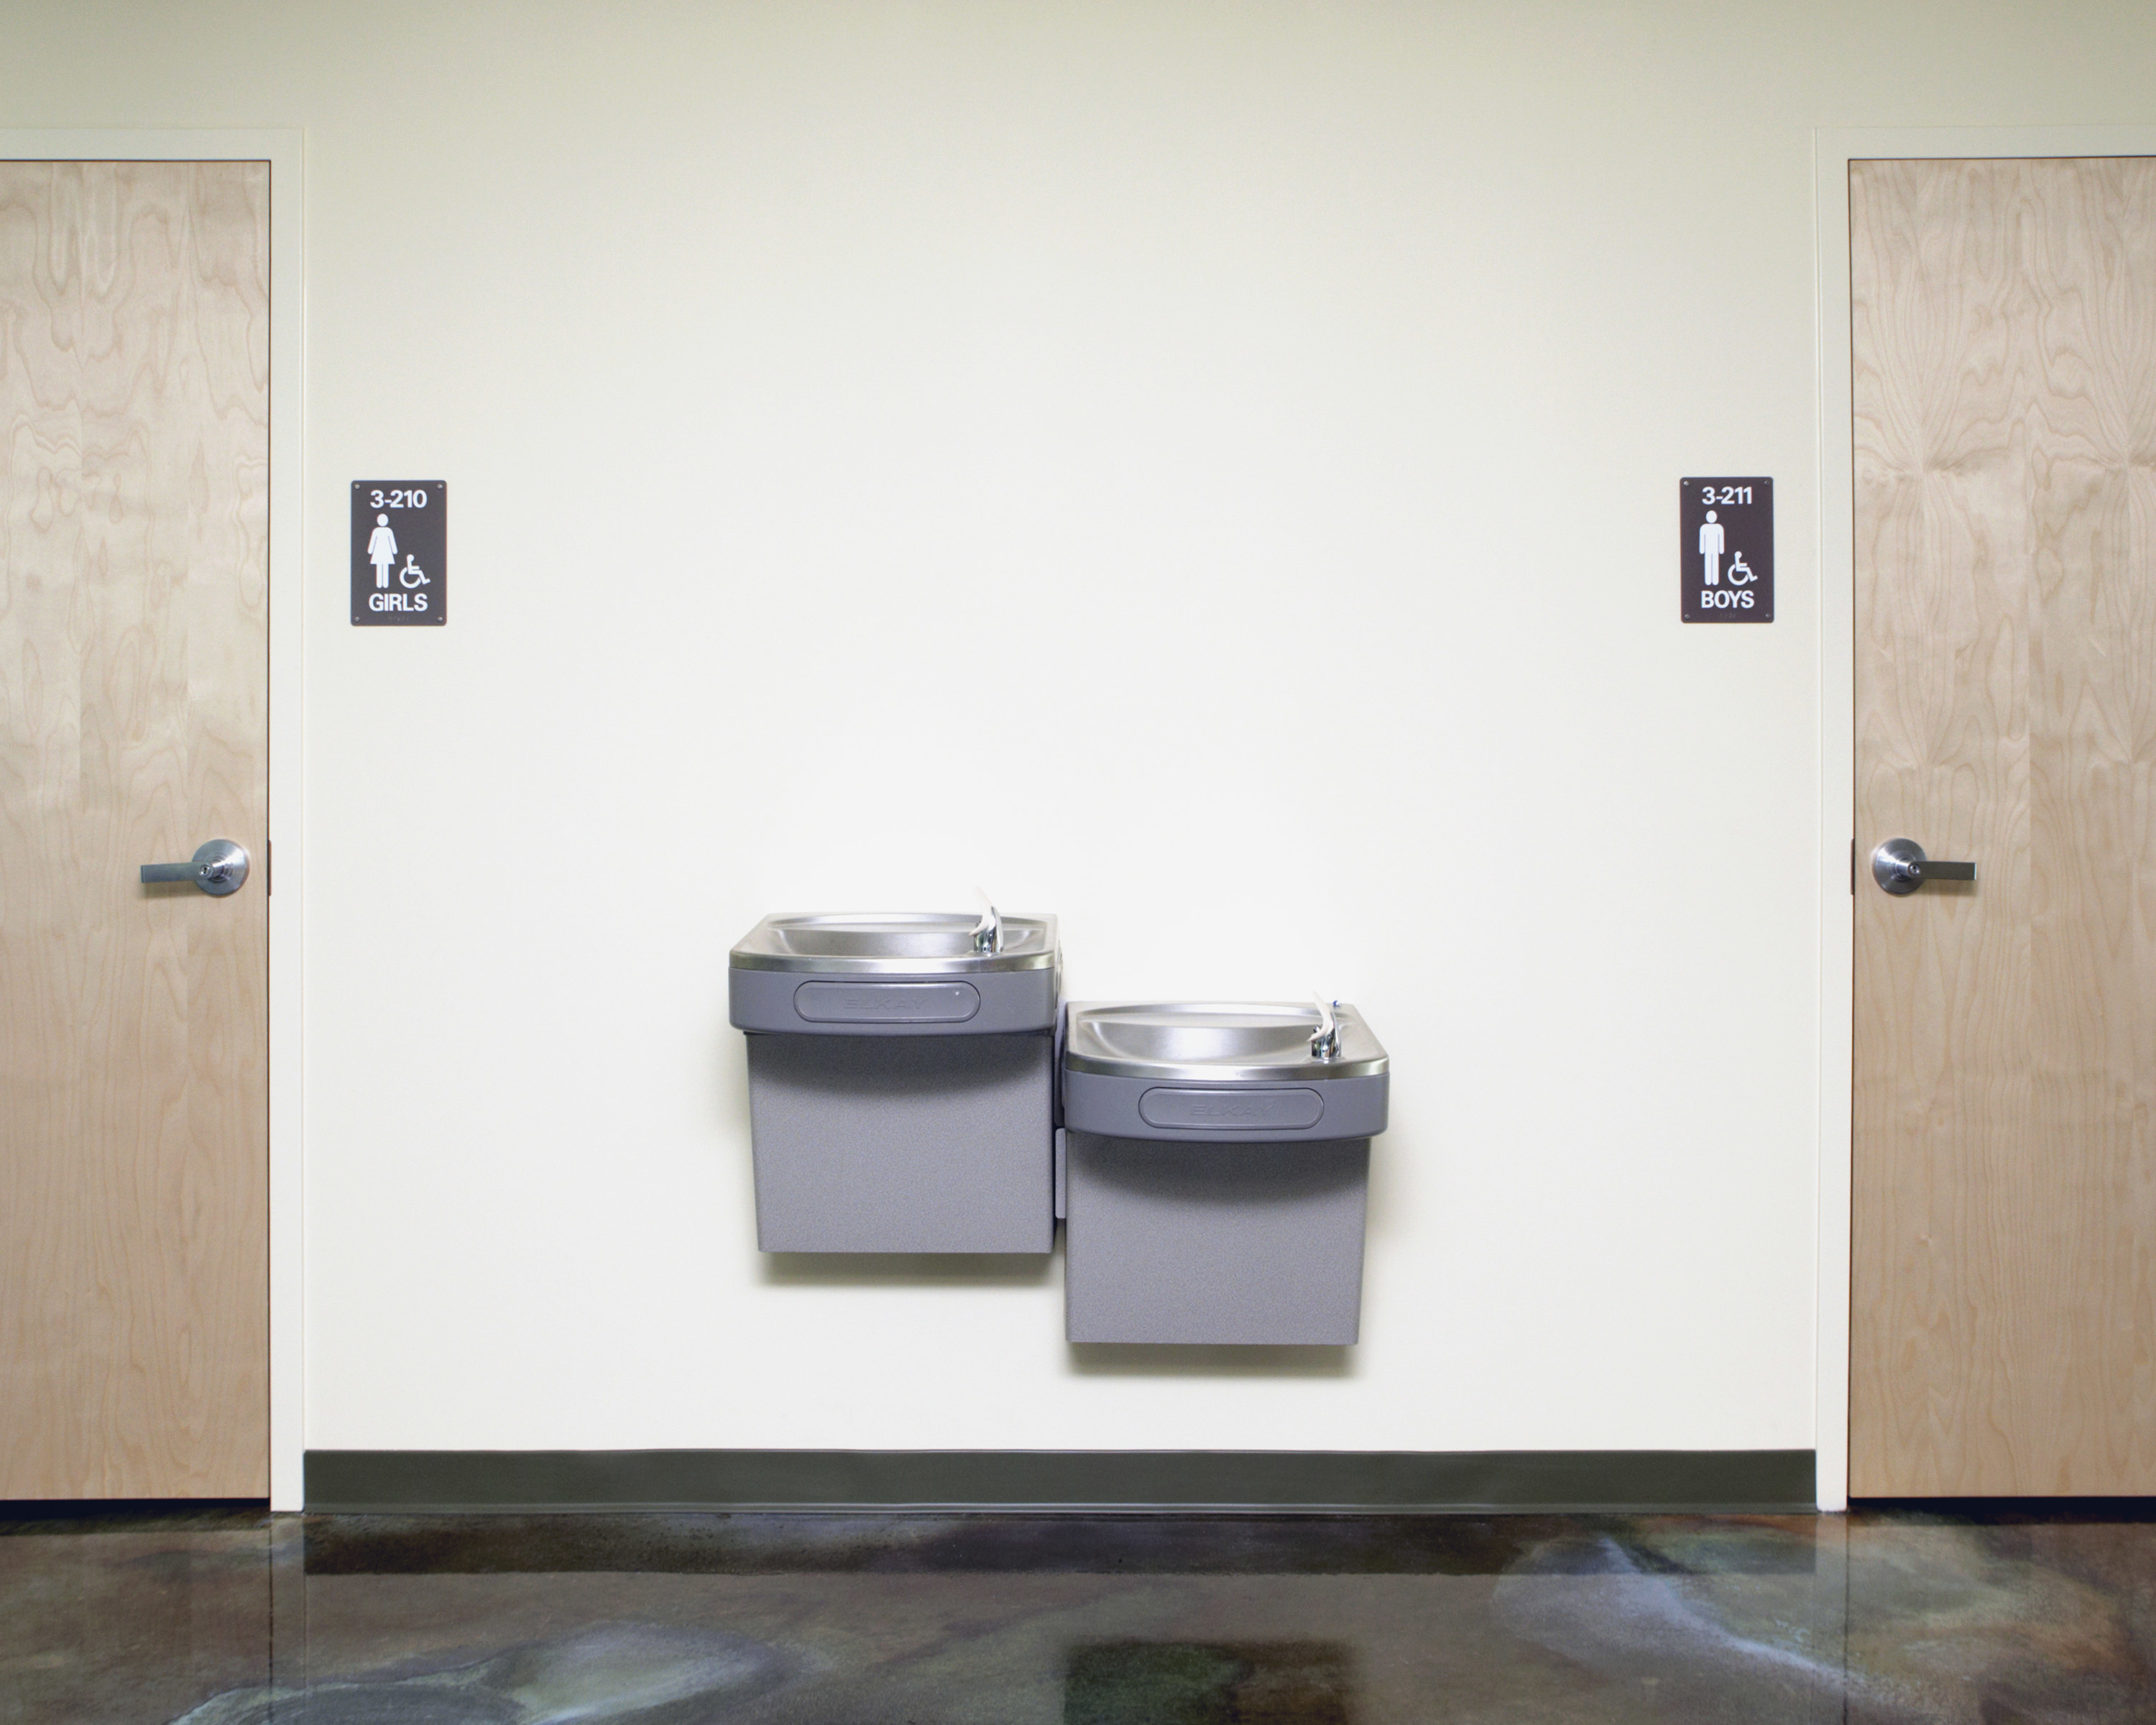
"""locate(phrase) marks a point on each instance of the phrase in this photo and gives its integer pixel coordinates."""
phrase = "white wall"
(1205, 471)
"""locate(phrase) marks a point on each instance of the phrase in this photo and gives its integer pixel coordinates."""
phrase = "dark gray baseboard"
(1061, 1481)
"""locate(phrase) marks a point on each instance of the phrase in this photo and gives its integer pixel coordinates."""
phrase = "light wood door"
(134, 519)
(2003, 378)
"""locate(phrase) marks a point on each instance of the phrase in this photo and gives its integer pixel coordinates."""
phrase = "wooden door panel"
(2003, 1325)
(134, 322)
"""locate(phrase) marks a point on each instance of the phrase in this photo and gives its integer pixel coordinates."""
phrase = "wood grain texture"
(2003, 1269)
(134, 600)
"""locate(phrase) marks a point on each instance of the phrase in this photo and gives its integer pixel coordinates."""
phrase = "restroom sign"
(399, 557)
(1726, 550)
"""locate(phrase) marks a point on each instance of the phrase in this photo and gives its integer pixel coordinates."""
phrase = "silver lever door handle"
(218, 868)
(1900, 867)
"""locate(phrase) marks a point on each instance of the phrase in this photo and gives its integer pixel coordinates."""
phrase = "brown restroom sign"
(400, 540)
(1726, 550)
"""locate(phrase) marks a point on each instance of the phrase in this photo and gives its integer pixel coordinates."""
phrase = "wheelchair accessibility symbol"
(412, 575)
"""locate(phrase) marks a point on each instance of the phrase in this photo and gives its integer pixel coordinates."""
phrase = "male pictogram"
(1710, 548)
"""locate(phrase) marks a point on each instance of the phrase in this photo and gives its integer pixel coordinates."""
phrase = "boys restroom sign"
(1726, 550)
(399, 552)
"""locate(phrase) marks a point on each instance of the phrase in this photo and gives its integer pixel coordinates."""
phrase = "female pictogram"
(382, 550)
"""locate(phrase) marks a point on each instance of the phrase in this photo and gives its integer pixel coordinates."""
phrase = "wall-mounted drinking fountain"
(900, 1080)
(1217, 1169)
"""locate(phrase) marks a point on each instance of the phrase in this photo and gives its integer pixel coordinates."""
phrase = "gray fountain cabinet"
(1217, 1162)
(901, 1080)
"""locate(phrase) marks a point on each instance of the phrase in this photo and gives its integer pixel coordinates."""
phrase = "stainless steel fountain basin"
(886, 942)
(1216, 1043)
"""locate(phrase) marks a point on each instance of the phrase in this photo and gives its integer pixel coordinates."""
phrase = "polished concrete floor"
(235, 1618)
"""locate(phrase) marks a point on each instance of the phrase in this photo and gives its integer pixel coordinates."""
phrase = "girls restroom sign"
(1726, 550)
(399, 552)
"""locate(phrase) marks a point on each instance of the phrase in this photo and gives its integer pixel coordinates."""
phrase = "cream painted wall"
(1208, 471)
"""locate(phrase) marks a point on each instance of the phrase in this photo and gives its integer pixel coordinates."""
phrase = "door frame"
(1832, 151)
(282, 150)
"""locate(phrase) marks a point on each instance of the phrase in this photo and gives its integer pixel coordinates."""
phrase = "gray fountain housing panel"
(1216, 1173)
(901, 1082)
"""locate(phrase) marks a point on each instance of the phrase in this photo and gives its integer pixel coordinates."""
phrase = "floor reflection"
(237, 1619)
(1208, 1683)
(607, 1672)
